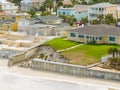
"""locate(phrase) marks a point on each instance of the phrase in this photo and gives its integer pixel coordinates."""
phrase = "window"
(91, 37)
(59, 13)
(102, 9)
(81, 36)
(111, 38)
(98, 38)
(72, 35)
(63, 13)
(87, 37)
(99, 9)
(68, 13)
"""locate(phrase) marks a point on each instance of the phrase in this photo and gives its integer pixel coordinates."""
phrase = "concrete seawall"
(74, 70)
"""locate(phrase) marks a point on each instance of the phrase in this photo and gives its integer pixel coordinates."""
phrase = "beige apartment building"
(26, 5)
(102, 8)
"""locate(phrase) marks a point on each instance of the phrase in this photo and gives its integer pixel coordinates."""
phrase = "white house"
(8, 7)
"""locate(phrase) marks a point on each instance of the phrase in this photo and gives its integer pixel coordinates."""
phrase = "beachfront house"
(102, 8)
(97, 33)
(78, 11)
(50, 19)
(8, 7)
(26, 5)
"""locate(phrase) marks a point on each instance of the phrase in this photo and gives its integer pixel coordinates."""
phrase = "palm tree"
(42, 8)
(84, 20)
(49, 4)
(113, 51)
(100, 17)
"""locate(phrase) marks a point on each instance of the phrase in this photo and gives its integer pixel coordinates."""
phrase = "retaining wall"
(73, 69)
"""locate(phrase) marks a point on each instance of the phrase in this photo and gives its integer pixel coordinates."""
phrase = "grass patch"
(61, 43)
(87, 54)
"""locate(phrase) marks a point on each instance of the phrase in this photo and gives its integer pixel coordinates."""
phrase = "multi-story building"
(26, 5)
(78, 11)
(8, 7)
(102, 8)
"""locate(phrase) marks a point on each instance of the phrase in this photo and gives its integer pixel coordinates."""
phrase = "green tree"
(42, 8)
(74, 20)
(95, 22)
(46, 13)
(100, 17)
(49, 4)
(109, 19)
(68, 18)
(32, 12)
(91, 2)
(113, 51)
(84, 20)
(17, 2)
(114, 1)
(74, 2)
(84, 2)
(59, 3)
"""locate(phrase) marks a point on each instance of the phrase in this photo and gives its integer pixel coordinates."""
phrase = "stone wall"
(16, 58)
(25, 56)
(73, 69)
(49, 54)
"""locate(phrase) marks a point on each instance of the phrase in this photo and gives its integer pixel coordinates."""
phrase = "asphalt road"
(9, 81)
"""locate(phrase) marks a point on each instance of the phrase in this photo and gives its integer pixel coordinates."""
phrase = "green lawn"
(61, 43)
(82, 55)
(87, 54)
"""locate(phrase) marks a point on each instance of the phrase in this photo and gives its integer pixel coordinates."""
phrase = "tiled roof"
(2, 13)
(67, 2)
(98, 30)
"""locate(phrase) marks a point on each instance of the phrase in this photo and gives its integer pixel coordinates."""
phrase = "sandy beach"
(26, 72)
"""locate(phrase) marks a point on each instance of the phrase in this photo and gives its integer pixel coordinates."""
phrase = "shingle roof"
(98, 30)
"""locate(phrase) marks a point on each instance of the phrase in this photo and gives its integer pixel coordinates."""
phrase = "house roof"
(81, 7)
(67, 2)
(103, 5)
(33, 1)
(2, 13)
(41, 26)
(98, 30)
(33, 20)
(61, 8)
(49, 18)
